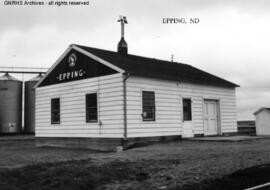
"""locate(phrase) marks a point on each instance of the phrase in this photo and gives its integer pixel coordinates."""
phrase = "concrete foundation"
(102, 144)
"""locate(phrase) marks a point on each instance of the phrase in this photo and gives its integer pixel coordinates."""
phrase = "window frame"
(190, 110)
(52, 111)
(87, 120)
(154, 106)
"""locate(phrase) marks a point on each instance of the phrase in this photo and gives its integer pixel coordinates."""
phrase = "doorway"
(211, 112)
(187, 130)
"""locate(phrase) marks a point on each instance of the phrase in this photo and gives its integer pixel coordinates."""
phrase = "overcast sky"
(231, 40)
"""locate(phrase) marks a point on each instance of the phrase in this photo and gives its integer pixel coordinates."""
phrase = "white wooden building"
(262, 120)
(102, 99)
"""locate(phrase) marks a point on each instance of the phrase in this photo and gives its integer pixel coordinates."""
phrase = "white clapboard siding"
(72, 108)
(168, 102)
(168, 97)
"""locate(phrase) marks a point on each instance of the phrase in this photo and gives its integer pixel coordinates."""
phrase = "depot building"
(99, 99)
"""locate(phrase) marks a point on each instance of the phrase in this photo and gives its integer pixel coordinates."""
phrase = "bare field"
(164, 166)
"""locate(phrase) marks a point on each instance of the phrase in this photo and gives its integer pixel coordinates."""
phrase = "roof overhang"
(261, 109)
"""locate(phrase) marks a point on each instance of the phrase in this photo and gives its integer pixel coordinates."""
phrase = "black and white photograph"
(134, 95)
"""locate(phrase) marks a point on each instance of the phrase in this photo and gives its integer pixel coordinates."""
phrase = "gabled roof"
(145, 67)
(155, 68)
(261, 109)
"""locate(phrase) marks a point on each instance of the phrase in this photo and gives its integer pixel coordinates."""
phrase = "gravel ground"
(158, 166)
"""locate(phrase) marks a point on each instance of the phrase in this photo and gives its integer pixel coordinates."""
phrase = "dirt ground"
(15, 154)
(158, 166)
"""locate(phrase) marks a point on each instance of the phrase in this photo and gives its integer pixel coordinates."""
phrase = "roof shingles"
(154, 68)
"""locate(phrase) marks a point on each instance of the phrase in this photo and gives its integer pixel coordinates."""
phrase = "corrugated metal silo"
(10, 104)
(29, 104)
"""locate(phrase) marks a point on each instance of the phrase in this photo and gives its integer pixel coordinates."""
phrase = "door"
(210, 117)
(187, 118)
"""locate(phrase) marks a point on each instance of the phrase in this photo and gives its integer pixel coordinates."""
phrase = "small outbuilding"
(262, 117)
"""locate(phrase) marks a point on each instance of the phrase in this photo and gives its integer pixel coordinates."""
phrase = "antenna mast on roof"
(172, 58)
(123, 21)
(122, 45)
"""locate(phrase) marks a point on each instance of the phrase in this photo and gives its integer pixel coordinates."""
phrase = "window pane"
(91, 100)
(56, 117)
(91, 107)
(149, 116)
(91, 110)
(55, 111)
(148, 106)
(148, 102)
(187, 110)
(92, 117)
(148, 95)
(148, 109)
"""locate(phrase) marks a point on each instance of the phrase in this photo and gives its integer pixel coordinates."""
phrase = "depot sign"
(71, 75)
(75, 66)
(72, 59)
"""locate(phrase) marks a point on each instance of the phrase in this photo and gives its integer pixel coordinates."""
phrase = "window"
(187, 109)
(55, 111)
(91, 107)
(148, 100)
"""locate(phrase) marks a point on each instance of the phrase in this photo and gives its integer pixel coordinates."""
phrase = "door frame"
(182, 116)
(219, 131)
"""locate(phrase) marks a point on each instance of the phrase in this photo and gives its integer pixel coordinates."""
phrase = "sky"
(231, 39)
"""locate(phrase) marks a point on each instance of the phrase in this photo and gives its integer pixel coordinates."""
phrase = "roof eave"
(261, 109)
(228, 85)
